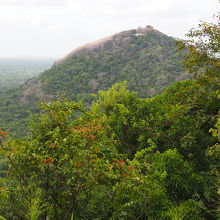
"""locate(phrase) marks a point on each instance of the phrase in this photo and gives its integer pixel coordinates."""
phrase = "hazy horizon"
(49, 29)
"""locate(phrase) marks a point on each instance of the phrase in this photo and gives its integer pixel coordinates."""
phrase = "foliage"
(202, 58)
(149, 63)
(77, 158)
(154, 158)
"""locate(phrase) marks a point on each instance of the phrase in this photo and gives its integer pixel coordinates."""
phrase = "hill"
(146, 58)
(144, 158)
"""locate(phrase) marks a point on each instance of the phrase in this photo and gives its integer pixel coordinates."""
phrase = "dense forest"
(146, 58)
(124, 156)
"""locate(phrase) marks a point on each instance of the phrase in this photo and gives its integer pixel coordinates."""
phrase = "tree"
(65, 157)
(151, 158)
(203, 58)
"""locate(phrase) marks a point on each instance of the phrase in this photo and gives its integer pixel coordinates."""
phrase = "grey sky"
(52, 28)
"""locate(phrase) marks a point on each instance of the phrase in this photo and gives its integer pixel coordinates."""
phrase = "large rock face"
(146, 58)
(99, 44)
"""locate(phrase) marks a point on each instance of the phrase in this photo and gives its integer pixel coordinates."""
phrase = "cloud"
(54, 27)
(32, 3)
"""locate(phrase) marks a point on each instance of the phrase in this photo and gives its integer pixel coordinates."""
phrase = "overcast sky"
(52, 28)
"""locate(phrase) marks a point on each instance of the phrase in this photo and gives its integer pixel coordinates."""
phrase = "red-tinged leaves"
(120, 162)
(13, 149)
(48, 160)
(3, 134)
(130, 168)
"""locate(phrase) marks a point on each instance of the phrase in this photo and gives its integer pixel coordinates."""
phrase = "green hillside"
(146, 58)
(123, 157)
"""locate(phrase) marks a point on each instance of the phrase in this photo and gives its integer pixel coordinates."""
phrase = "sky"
(52, 28)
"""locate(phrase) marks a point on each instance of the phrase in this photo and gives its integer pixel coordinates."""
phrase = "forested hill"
(146, 58)
(143, 158)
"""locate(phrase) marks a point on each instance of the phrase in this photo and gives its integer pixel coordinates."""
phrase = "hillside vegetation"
(147, 59)
(124, 157)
